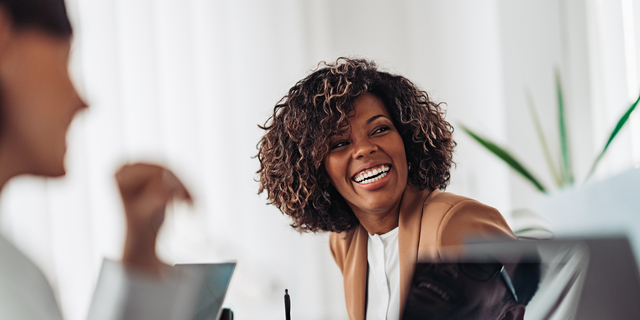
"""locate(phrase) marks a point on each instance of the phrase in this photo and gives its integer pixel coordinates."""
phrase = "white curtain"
(185, 83)
(614, 32)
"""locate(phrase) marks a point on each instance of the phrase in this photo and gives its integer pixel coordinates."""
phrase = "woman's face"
(38, 101)
(367, 164)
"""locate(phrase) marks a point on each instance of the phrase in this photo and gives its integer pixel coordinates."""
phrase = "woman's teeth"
(372, 175)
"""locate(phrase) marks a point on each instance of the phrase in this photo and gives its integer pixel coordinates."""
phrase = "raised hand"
(146, 189)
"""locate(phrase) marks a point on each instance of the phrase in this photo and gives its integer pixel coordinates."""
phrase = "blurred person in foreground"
(37, 104)
(364, 154)
(467, 290)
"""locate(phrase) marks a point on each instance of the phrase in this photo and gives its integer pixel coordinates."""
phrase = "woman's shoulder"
(453, 218)
(448, 203)
(25, 293)
(449, 198)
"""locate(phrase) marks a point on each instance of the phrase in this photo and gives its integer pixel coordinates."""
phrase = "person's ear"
(6, 29)
(514, 311)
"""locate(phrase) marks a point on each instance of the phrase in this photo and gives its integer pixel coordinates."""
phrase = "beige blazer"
(428, 221)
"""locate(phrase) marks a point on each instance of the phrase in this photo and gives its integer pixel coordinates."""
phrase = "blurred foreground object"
(38, 103)
(227, 314)
(608, 207)
(191, 291)
(208, 305)
(146, 189)
(588, 278)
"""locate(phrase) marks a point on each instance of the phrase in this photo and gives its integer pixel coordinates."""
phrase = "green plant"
(564, 175)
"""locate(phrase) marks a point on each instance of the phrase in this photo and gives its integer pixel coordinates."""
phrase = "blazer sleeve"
(470, 219)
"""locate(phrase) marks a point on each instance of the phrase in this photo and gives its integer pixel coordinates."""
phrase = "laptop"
(215, 283)
(588, 278)
(189, 291)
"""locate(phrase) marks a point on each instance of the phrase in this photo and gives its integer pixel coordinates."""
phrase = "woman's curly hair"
(298, 134)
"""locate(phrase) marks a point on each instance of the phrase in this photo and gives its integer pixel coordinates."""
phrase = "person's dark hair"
(47, 15)
(526, 279)
(298, 133)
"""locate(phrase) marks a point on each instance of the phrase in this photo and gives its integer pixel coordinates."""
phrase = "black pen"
(287, 305)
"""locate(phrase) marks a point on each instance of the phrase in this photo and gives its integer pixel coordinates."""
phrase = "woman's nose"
(364, 148)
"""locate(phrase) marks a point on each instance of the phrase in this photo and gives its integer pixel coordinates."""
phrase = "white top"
(383, 287)
(25, 293)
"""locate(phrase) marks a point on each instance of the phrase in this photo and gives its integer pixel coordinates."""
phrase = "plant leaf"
(566, 170)
(506, 157)
(614, 133)
(545, 147)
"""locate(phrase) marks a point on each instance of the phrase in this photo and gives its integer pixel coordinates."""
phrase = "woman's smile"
(374, 177)
(367, 163)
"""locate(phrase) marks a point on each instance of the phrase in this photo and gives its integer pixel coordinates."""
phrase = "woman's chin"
(50, 172)
(57, 170)
(58, 173)
(52, 168)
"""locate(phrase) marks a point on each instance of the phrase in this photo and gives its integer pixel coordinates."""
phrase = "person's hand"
(146, 189)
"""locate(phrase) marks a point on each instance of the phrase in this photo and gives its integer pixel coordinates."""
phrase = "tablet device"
(214, 288)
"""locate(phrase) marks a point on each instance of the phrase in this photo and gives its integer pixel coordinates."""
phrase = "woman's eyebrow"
(374, 118)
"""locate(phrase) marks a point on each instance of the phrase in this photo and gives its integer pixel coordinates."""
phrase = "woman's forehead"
(364, 110)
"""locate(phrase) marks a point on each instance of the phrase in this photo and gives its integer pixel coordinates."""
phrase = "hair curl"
(297, 138)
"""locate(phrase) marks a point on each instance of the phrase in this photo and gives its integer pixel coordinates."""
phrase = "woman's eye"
(381, 129)
(339, 144)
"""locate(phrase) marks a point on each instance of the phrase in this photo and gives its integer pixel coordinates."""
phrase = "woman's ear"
(514, 311)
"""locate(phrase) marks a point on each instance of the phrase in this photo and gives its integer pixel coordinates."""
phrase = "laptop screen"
(214, 288)
(549, 279)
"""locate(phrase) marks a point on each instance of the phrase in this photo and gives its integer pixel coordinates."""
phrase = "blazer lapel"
(409, 224)
(355, 274)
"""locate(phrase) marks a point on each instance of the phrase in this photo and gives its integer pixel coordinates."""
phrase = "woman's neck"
(383, 221)
(379, 222)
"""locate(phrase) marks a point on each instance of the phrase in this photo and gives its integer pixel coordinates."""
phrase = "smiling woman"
(367, 165)
(364, 154)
